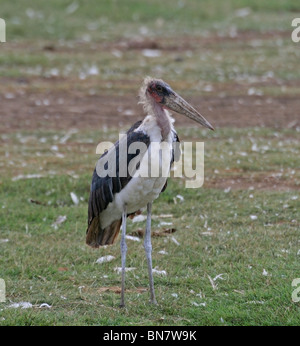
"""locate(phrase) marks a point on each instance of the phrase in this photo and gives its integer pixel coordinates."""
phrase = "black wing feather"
(176, 152)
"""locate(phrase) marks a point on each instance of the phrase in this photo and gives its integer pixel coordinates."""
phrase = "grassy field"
(68, 72)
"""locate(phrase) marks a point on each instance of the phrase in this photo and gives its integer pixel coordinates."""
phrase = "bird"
(120, 187)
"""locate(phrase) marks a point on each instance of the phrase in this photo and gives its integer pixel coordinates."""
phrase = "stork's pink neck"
(163, 119)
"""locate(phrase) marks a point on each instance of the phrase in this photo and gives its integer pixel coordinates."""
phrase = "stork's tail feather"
(96, 236)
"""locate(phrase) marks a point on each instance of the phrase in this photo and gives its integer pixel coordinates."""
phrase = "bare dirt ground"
(27, 110)
(60, 103)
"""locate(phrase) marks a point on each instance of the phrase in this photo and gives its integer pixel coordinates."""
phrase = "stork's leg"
(123, 254)
(148, 249)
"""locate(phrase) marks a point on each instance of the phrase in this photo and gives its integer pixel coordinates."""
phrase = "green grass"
(103, 20)
(41, 264)
(237, 248)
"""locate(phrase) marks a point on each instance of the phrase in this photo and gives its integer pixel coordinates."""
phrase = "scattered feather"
(74, 198)
(219, 276)
(119, 269)
(197, 304)
(72, 7)
(207, 233)
(254, 91)
(163, 223)
(151, 53)
(242, 12)
(22, 305)
(104, 259)
(117, 53)
(93, 70)
(253, 217)
(161, 216)
(174, 240)
(9, 96)
(175, 295)
(59, 220)
(28, 176)
(64, 139)
(159, 272)
(4, 240)
(130, 237)
(181, 198)
(80, 288)
(128, 112)
(45, 305)
(59, 155)
(163, 252)
(256, 302)
(214, 286)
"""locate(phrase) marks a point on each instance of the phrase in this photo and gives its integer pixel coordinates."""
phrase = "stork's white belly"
(136, 195)
(138, 192)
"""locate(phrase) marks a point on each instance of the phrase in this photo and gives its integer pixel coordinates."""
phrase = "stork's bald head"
(161, 92)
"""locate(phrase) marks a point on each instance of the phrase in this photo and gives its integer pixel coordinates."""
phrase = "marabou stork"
(113, 198)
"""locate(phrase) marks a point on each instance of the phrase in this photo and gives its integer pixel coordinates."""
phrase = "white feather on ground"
(104, 259)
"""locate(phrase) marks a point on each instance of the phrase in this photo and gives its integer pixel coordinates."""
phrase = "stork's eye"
(159, 88)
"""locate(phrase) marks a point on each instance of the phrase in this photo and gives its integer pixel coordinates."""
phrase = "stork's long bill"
(177, 104)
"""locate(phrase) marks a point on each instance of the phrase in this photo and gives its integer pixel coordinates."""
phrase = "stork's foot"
(122, 305)
(153, 301)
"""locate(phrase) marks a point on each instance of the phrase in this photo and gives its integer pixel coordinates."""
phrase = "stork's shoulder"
(150, 128)
(148, 123)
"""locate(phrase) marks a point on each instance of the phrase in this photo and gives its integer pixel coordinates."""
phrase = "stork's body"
(141, 190)
(113, 198)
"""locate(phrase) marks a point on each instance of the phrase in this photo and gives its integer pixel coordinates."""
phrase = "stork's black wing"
(104, 188)
(176, 152)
